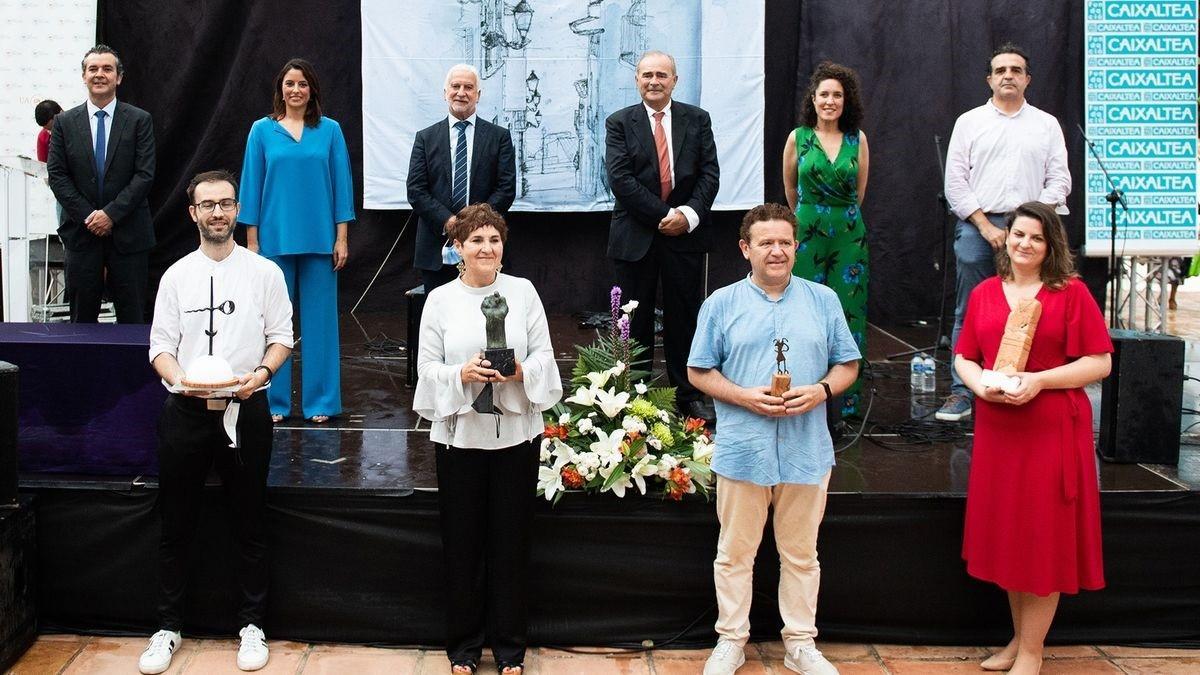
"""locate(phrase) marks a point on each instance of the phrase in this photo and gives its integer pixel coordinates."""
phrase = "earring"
(461, 266)
(499, 266)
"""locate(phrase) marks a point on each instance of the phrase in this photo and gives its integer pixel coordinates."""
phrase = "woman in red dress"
(1033, 500)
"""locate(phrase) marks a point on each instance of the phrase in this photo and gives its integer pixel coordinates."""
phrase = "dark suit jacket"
(431, 179)
(128, 175)
(632, 162)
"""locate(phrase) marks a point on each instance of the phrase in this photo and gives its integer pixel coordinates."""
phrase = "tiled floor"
(72, 654)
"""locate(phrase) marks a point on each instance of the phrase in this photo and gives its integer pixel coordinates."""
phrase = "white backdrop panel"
(553, 83)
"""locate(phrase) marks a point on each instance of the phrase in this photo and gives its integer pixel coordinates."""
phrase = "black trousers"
(682, 277)
(126, 282)
(486, 499)
(191, 440)
(431, 279)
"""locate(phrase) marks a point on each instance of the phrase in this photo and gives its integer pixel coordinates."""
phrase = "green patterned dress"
(831, 239)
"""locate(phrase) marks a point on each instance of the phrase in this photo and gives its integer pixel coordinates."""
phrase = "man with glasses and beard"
(224, 301)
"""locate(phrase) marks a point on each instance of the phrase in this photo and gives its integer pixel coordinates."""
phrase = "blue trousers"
(312, 287)
(975, 261)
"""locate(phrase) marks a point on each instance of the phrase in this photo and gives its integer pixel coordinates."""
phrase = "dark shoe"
(699, 408)
(469, 664)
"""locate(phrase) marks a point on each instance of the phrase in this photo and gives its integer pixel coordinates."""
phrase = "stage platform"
(356, 548)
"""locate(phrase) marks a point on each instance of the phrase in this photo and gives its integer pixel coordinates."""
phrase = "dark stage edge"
(356, 545)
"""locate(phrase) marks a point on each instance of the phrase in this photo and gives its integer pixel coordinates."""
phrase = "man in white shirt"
(225, 301)
(445, 175)
(1002, 154)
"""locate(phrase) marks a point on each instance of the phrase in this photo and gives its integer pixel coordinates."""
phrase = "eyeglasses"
(227, 205)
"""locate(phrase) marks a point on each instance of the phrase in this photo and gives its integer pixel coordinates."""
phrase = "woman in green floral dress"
(825, 177)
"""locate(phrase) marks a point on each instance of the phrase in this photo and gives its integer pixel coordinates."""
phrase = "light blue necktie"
(458, 197)
(100, 115)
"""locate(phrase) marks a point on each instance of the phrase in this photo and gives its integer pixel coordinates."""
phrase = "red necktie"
(664, 158)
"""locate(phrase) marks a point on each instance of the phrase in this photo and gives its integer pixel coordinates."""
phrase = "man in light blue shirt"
(771, 451)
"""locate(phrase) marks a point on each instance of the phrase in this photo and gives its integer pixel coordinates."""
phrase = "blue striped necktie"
(458, 197)
(100, 115)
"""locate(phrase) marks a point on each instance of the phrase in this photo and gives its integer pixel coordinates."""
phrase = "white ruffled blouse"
(452, 333)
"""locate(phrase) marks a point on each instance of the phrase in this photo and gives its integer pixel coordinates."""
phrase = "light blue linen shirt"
(296, 191)
(735, 334)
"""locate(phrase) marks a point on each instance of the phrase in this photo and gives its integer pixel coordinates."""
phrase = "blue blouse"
(296, 192)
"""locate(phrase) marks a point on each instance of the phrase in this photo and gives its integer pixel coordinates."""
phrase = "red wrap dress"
(1033, 498)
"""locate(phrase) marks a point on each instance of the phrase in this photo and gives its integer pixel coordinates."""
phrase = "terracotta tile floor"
(71, 654)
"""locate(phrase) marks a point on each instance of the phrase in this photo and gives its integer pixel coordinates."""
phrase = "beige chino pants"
(742, 509)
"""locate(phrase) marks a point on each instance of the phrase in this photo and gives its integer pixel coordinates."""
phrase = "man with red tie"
(663, 172)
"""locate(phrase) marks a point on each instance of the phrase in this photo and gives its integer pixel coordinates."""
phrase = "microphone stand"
(941, 197)
(1113, 198)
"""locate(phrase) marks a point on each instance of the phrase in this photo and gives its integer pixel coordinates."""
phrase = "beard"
(212, 237)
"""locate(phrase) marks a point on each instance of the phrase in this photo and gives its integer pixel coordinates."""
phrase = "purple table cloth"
(89, 399)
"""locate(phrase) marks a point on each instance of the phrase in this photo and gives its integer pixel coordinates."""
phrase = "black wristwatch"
(271, 373)
(828, 391)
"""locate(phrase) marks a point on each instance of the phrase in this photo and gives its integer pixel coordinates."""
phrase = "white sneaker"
(809, 660)
(253, 653)
(157, 657)
(725, 659)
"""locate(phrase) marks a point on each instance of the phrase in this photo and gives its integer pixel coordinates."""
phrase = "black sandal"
(469, 664)
(501, 667)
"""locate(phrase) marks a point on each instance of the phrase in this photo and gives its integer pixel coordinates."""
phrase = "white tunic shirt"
(252, 312)
(995, 161)
(452, 333)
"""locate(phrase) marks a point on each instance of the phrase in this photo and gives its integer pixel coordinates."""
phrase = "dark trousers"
(191, 440)
(125, 279)
(682, 277)
(486, 500)
(431, 279)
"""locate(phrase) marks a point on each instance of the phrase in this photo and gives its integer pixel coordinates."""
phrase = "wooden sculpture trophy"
(1014, 346)
(781, 381)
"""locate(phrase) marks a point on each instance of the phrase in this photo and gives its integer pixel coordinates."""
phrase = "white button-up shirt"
(469, 132)
(688, 212)
(996, 161)
(108, 120)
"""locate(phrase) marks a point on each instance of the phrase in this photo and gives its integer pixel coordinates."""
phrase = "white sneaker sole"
(952, 417)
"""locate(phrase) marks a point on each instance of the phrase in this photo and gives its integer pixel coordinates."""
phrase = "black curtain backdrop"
(204, 70)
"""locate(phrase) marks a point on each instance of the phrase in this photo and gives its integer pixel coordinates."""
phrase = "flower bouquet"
(616, 431)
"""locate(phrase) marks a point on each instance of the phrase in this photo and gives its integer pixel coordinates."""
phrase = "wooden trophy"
(1015, 344)
(781, 381)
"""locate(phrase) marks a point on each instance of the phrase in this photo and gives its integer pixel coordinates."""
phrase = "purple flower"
(614, 297)
(623, 326)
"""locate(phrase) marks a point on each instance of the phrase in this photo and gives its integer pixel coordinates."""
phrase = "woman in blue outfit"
(297, 200)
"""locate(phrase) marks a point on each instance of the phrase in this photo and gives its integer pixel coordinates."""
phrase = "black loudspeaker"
(18, 588)
(1141, 400)
(8, 434)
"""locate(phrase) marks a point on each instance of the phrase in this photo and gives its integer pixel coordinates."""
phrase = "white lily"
(618, 488)
(564, 419)
(654, 443)
(585, 396)
(612, 402)
(609, 444)
(598, 379)
(643, 469)
(629, 306)
(702, 451)
(640, 388)
(549, 482)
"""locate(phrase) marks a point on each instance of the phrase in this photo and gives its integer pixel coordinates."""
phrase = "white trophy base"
(994, 379)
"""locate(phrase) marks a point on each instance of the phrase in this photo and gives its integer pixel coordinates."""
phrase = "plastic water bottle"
(916, 373)
(929, 379)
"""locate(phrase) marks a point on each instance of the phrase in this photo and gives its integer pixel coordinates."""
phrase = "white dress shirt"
(108, 120)
(261, 312)
(470, 134)
(996, 161)
(688, 212)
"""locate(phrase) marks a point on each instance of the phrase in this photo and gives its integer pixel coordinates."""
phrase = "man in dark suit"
(663, 172)
(101, 167)
(458, 161)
